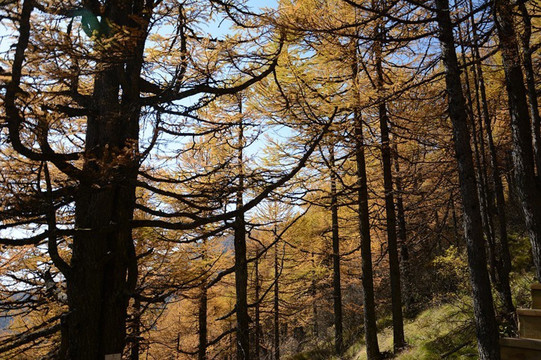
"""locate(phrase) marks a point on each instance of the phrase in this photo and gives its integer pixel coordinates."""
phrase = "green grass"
(445, 330)
(440, 332)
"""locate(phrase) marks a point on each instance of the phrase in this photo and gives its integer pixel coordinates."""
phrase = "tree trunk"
(456, 230)
(103, 261)
(314, 293)
(486, 327)
(136, 332)
(478, 152)
(258, 332)
(103, 264)
(530, 82)
(527, 185)
(399, 341)
(504, 259)
(241, 265)
(103, 271)
(202, 319)
(337, 293)
(369, 305)
(407, 290)
(276, 304)
(367, 277)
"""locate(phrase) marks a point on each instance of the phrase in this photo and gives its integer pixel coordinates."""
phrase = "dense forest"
(241, 179)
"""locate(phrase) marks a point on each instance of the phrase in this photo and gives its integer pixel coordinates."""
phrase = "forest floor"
(440, 332)
(443, 332)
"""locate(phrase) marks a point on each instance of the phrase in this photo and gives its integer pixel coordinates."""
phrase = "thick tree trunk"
(103, 265)
(103, 251)
(527, 186)
(486, 327)
(337, 292)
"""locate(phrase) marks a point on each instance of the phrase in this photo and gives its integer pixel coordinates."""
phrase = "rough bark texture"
(103, 250)
(399, 340)
(102, 272)
(530, 82)
(367, 277)
(392, 246)
(503, 267)
(527, 185)
(486, 327)
(484, 192)
(241, 268)
(337, 293)
(104, 269)
(369, 306)
(406, 282)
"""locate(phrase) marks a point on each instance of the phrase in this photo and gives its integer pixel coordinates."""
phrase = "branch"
(170, 95)
(251, 204)
(26, 338)
(15, 119)
(51, 223)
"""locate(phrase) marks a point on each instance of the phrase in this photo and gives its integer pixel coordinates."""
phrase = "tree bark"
(530, 82)
(241, 265)
(527, 186)
(103, 264)
(486, 327)
(337, 293)
(455, 223)
(258, 332)
(276, 304)
(136, 332)
(480, 160)
(407, 290)
(313, 292)
(502, 247)
(367, 277)
(202, 319)
(369, 304)
(399, 341)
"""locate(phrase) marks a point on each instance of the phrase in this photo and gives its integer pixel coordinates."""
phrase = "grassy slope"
(444, 331)
(437, 332)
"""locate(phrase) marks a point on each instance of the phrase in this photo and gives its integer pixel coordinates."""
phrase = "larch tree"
(121, 77)
(487, 330)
